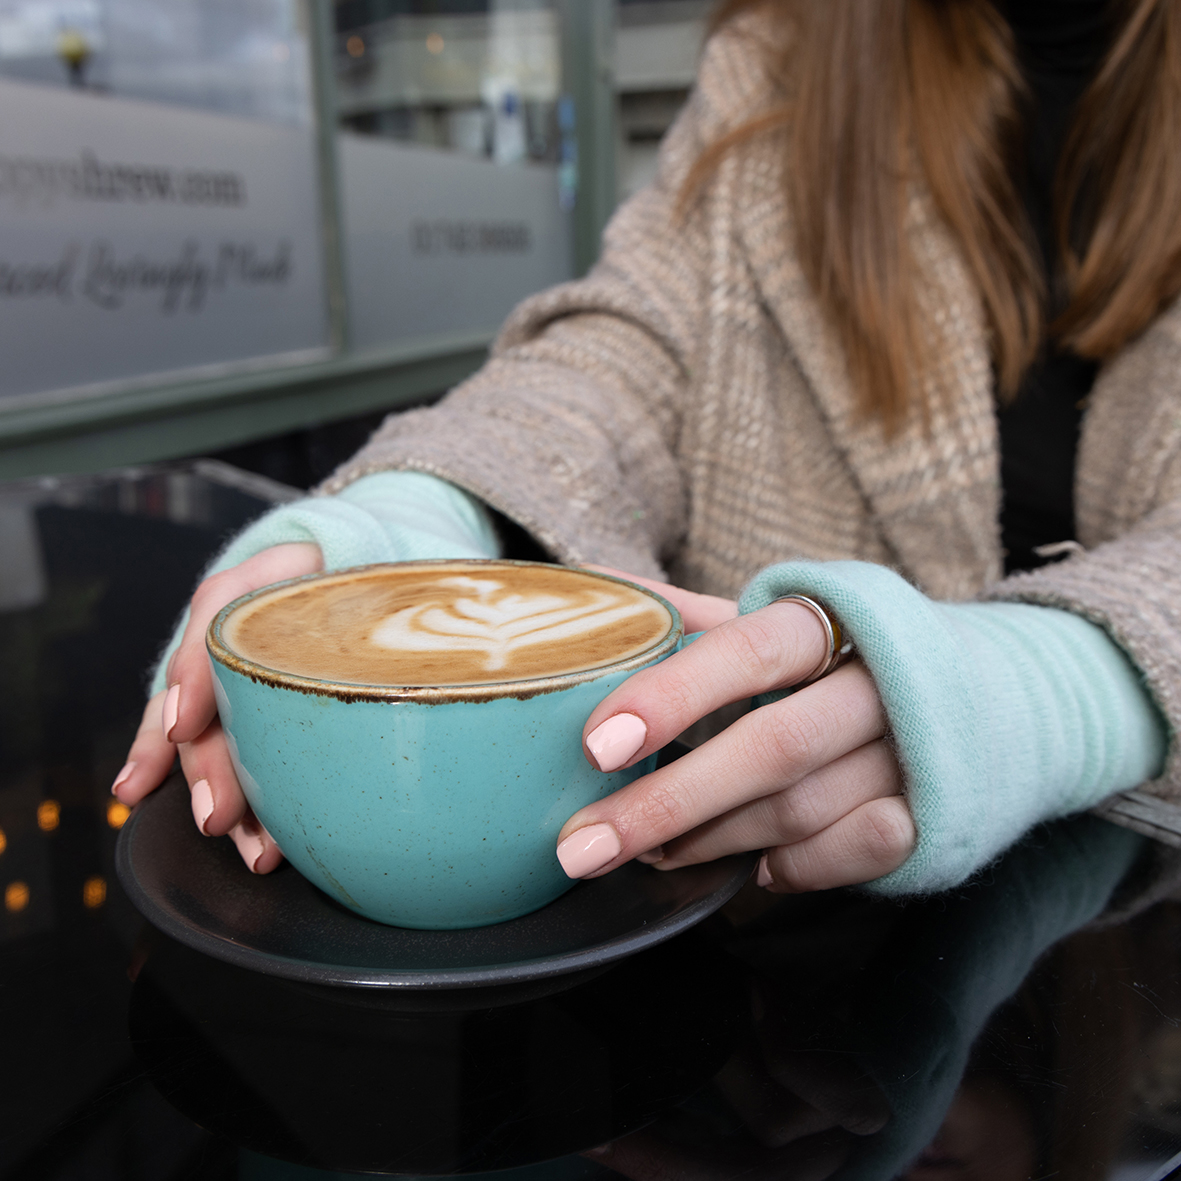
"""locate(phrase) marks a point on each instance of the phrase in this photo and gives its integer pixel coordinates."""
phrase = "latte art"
(457, 623)
(497, 621)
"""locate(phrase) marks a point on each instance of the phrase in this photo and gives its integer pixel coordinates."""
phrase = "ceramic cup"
(435, 808)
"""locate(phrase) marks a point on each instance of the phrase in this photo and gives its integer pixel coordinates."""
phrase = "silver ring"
(840, 649)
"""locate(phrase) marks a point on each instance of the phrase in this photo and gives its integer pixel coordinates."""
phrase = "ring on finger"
(840, 648)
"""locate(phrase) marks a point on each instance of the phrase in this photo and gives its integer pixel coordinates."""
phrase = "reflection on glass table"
(997, 1033)
(93, 572)
(980, 1035)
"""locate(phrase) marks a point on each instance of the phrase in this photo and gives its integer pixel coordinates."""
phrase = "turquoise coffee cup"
(434, 807)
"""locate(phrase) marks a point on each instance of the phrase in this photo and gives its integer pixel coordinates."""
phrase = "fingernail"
(613, 742)
(202, 801)
(122, 777)
(588, 849)
(249, 843)
(652, 856)
(171, 711)
(764, 879)
(598, 1153)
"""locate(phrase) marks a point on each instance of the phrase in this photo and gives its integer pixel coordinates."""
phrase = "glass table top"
(984, 1034)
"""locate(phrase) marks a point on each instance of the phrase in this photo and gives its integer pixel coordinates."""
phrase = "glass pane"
(481, 78)
(454, 132)
(242, 57)
(159, 193)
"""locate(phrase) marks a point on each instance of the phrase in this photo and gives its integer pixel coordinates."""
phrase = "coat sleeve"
(571, 428)
(1131, 587)
(1128, 581)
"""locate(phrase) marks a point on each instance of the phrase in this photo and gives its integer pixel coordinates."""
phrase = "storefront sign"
(438, 242)
(141, 242)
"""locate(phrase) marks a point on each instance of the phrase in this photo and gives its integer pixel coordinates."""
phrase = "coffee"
(413, 767)
(454, 623)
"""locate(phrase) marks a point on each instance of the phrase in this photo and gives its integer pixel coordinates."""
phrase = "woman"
(841, 318)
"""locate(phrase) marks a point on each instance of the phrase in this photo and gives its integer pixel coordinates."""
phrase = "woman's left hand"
(812, 779)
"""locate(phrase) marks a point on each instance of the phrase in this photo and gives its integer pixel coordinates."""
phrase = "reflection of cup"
(433, 1081)
(435, 804)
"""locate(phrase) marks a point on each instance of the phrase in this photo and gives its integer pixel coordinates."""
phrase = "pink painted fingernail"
(613, 743)
(588, 849)
(764, 878)
(122, 777)
(202, 802)
(249, 843)
(171, 711)
(652, 856)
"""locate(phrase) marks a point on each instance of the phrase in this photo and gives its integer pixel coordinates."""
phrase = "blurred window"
(168, 169)
(657, 44)
(456, 162)
(240, 57)
(481, 78)
(160, 210)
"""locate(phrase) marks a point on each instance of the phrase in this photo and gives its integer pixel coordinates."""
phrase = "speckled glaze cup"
(436, 807)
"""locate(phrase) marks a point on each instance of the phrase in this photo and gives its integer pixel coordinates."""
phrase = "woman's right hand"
(183, 718)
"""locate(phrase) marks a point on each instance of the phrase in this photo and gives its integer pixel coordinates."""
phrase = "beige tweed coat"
(685, 409)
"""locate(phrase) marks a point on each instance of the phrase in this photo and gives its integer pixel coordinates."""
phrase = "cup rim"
(347, 691)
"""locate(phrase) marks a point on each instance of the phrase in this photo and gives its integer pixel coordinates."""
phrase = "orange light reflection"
(94, 892)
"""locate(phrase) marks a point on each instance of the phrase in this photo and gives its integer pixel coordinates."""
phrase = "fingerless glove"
(1003, 714)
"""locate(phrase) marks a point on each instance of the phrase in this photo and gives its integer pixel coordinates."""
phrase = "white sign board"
(141, 241)
(436, 242)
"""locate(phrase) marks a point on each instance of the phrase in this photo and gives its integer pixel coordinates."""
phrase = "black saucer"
(197, 890)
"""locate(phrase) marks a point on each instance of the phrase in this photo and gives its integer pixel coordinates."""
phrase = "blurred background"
(251, 227)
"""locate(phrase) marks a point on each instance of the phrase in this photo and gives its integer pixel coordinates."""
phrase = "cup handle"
(689, 639)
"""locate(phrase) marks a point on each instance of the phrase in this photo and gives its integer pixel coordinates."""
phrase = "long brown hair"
(873, 89)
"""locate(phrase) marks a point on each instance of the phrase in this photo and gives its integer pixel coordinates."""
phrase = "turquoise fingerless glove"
(1004, 714)
(385, 517)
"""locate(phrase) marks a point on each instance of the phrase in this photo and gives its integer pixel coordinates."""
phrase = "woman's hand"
(184, 717)
(812, 779)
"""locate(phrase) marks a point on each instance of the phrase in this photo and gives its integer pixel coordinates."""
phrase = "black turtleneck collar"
(1060, 36)
(1060, 44)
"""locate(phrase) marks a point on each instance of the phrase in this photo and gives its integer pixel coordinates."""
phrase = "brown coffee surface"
(454, 624)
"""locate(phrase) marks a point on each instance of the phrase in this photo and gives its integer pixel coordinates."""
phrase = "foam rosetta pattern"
(448, 623)
(496, 621)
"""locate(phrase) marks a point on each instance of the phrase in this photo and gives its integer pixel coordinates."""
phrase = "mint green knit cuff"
(1003, 715)
(385, 517)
